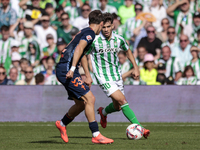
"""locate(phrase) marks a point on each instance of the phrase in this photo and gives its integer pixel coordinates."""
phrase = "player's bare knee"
(122, 102)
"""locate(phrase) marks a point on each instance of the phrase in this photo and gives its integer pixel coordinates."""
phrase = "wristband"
(72, 68)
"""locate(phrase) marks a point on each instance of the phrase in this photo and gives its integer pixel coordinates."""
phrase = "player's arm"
(88, 81)
(77, 54)
(136, 72)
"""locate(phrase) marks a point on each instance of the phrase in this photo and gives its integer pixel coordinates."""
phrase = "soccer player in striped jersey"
(67, 73)
(107, 71)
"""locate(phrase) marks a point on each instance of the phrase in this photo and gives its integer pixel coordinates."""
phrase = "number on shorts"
(106, 86)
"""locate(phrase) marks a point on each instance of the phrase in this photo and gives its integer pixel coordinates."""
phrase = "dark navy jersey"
(86, 34)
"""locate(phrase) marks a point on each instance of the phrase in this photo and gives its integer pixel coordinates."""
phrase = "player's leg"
(89, 101)
(76, 109)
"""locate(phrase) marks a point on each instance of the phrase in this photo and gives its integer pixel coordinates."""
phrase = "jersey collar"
(104, 38)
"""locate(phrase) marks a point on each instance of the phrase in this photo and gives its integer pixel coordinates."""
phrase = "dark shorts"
(74, 86)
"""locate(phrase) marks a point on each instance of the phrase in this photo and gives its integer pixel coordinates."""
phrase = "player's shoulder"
(118, 36)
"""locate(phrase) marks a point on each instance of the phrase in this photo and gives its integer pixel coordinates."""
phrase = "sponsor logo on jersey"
(88, 37)
(109, 50)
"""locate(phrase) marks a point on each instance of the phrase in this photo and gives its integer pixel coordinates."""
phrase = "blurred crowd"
(33, 34)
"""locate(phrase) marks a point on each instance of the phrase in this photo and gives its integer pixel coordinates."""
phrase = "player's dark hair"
(186, 69)
(39, 78)
(65, 13)
(107, 17)
(4, 28)
(95, 17)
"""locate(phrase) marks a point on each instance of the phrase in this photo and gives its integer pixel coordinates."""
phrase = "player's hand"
(88, 81)
(70, 74)
(136, 73)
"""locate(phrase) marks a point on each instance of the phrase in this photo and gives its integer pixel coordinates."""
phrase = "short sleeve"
(88, 36)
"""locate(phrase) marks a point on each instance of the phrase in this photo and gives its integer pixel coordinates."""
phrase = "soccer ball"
(134, 132)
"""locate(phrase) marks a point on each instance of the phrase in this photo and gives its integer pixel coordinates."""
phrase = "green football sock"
(130, 115)
(110, 108)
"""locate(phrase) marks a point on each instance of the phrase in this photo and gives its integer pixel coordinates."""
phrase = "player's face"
(107, 29)
(99, 28)
(166, 53)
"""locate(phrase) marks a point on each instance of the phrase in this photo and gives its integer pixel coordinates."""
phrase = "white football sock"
(61, 123)
(104, 112)
(95, 134)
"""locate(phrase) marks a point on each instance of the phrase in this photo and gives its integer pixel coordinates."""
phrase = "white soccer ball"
(134, 132)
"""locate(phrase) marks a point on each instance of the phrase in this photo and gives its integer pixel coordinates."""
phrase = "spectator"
(61, 46)
(146, 3)
(39, 79)
(182, 52)
(57, 22)
(16, 60)
(196, 41)
(131, 24)
(51, 48)
(43, 30)
(195, 61)
(13, 74)
(161, 68)
(8, 15)
(126, 11)
(74, 10)
(3, 78)
(158, 11)
(151, 42)
(104, 7)
(29, 77)
(19, 33)
(118, 27)
(182, 16)
(172, 40)
(15, 46)
(65, 30)
(173, 67)
(188, 77)
(29, 37)
(5, 44)
(149, 74)
(140, 59)
(24, 63)
(32, 12)
(33, 53)
(82, 21)
(125, 65)
(191, 31)
(163, 34)
(41, 67)
(161, 78)
(50, 11)
(50, 67)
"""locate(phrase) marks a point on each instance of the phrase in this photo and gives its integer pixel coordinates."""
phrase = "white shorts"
(111, 86)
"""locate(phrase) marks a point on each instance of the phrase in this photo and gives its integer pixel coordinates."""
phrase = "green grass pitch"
(45, 136)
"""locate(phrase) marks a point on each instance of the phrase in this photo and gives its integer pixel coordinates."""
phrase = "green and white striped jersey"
(196, 67)
(172, 66)
(145, 2)
(24, 45)
(187, 81)
(182, 19)
(104, 57)
(5, 50)
(130, 25)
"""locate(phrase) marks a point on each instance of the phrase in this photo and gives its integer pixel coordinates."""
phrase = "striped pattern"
(196, 67)
(104, 58)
